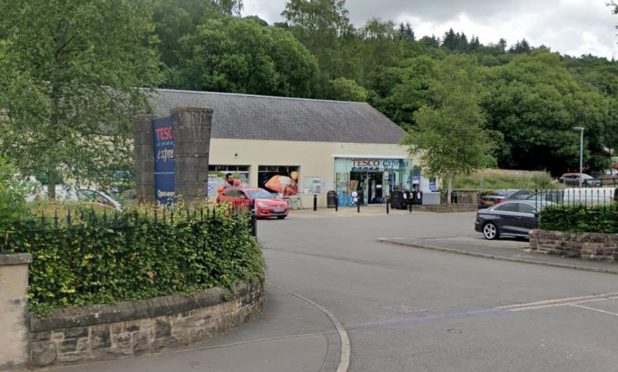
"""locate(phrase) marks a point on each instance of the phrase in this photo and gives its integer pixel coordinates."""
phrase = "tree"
(324, 28)
(69, 84)
(243, 56)
(449, 138)
(343, 89)
(535, 102)
(175, 19)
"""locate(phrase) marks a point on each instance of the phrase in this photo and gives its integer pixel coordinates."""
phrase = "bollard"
(358, 206)
(253, 222)
(410, 205)
(336, 203)
(387, 206)
(315, 202)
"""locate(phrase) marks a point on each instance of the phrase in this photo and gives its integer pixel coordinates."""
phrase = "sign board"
(164, 163)
(312, 185)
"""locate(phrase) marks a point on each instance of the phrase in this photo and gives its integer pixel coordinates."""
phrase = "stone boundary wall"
(13, 310)
(100, 332)
(588, 246)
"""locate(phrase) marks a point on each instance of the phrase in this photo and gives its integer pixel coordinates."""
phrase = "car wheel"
(490, 231)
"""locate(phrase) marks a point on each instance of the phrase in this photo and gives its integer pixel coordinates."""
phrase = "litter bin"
(398, 200)
(331, 199)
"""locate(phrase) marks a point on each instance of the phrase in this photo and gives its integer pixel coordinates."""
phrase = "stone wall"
(589, 246)
(102, 332)
(13, 305)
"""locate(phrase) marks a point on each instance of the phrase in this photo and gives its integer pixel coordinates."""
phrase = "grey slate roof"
(240, 116)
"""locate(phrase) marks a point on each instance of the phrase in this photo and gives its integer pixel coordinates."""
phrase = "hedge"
(93, 259)
(580, 219)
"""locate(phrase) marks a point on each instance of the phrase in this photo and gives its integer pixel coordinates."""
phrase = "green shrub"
(12, 196)
(96, 258)
(580, 219)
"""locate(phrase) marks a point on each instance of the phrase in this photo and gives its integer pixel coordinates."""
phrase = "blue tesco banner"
(164, 163)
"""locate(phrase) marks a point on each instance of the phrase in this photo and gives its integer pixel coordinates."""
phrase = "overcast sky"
(573, 27)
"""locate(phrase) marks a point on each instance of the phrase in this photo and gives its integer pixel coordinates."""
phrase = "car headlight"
(262, 205)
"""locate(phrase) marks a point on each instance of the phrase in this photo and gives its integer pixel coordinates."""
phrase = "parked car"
(499, 196)
(266, 204)
(514, 218)
(77, 194)
(572, 179)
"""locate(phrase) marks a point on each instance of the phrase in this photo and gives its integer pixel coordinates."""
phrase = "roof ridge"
(259, 96)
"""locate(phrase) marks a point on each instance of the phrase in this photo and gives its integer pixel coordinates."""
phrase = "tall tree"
(69, 84)
(324, 28)
(449, 138)
(243, 56)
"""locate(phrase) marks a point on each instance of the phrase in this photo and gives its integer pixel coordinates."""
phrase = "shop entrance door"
(375, 187)
(368, 185)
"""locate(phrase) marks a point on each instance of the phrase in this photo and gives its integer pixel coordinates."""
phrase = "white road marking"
(595, 309)
(560, 302)
(344, 339)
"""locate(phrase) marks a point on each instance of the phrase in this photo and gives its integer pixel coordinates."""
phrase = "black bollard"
(253, 222)
(387, 206)
(410, 205)
(315, 202)
(336, 203)
(358, 206)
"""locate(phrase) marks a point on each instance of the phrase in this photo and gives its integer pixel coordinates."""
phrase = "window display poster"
(312, 185)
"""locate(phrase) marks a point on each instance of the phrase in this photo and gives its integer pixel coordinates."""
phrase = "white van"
(590, 196)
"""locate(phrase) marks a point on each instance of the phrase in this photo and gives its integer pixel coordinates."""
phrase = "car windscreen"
(259, 194)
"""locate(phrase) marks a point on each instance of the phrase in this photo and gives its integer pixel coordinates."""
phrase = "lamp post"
(581, 152)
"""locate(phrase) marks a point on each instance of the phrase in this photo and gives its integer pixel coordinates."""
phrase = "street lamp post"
(581, 153)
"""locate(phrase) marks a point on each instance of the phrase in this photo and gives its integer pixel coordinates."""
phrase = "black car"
(514, 218)
(499, 196)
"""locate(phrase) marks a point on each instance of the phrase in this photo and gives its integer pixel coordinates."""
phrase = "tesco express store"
(319, 145)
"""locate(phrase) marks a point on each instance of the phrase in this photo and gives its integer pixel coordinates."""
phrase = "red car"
(266, 205)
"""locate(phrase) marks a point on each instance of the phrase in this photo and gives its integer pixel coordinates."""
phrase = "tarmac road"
(404, 308)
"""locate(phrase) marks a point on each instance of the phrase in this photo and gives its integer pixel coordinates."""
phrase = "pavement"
(504, 249)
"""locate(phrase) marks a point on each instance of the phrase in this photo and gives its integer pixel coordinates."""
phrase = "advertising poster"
(312, 185)
(165, 165)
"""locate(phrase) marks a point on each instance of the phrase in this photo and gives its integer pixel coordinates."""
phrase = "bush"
(12, 196)
(92, 257)
(580, 219)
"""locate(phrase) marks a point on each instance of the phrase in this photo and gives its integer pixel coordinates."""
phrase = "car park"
(510, 218)
(266, 204)
(572, 179)
(486, 201)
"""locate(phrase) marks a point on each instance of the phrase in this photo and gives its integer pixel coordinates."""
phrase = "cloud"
(573, 27)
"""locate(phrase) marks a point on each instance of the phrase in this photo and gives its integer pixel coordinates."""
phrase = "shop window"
(282, 179)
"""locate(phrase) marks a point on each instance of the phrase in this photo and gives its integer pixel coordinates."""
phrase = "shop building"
(323, 145)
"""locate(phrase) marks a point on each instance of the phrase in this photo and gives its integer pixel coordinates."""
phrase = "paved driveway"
(406, 309)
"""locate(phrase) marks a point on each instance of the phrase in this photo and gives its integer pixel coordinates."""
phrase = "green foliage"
(343, 89)
(243, 56)
(13, 193)
(448, 137)
(70, 78)
(497, 180)
(581, 219)
(103, 258)
(535, 102)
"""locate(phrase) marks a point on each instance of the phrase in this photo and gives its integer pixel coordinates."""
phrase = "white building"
(331, 145)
